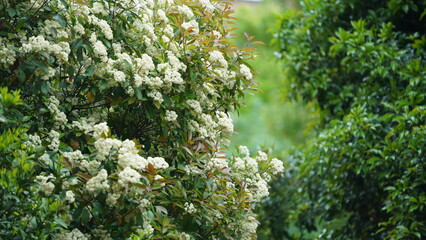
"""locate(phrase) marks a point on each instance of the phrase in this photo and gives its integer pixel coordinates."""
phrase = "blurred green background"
(268, 121)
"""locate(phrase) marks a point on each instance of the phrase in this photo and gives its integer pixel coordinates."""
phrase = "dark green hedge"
(363, 176)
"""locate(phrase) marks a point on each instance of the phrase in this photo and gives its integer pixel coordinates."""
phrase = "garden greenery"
(363, 177)
(114, 121)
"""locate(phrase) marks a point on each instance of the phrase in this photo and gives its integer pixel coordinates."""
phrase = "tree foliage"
(363, 64)
(114, 118)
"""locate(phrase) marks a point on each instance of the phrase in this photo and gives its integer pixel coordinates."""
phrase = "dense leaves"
(122, 118)
(363, 64)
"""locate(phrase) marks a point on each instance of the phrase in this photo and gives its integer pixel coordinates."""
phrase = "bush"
(125, 106)
(363, 63)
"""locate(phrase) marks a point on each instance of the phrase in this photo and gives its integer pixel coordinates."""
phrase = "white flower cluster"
(104, 146)
(75, 234)
(101, 234)
(246, 72)
(208, 5)
(99, 129)
(69, 196)
(33, 141)
(58, 116)
(217, 56)
(54, 140)
(7, 55)
(277, 166)
(225, 122)
(195, 105)
(74, 157)
(128, 176)
(158, 162)
(99, 183)
(45, 186)
(249, 225)
(191, 26)
(171, 116)
(185, 10)
(190, 208)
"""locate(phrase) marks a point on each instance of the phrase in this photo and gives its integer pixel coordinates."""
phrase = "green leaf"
(90, 71)
(85, 216)
(44, 87)
(138, 93)
(61, 222)
(11, 12)
(60, 20)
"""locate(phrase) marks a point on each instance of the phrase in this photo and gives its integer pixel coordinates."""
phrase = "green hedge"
(363, 64)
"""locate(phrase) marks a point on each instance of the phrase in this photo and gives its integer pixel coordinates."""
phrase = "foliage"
(125, 109)
(25, 215)
(363, 177)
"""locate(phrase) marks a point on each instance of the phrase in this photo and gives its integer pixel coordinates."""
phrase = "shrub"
(363, 63)
(127, 105)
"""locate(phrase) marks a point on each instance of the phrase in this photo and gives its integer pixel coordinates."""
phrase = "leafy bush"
(363, 62)
(125, 108)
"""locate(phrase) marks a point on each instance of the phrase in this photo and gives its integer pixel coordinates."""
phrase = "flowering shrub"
(126, 112)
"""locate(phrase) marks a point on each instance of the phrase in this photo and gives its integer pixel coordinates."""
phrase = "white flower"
(239, 163)
(112, 199)
(249, 225)
(128, 175)
(74, 157)
(99, 49)
(90, 166)
(69, 196)
(54, 140)
(99, 183)
(7, 55)
(246, 72)
(218, 163)
(189, 208)
(262, 190)
(195, 105)
(191, 26)
(36, 43)
(207, 4)
(104, 145)
(156, 96)
(225, 122)
(101, 234)
(185, 10)
(33, 141)
(106, 29)
(75, 234)
(99, 129)
(277, 166)
(158, 162)
(46, 187)
(98, 8)
(133, 160)
(251, 164)
(162, 16)
(119, 76)
(171, 116)
(79, 29)
(144, 64)
(217, 56)
(261, 156)
(244, 151)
